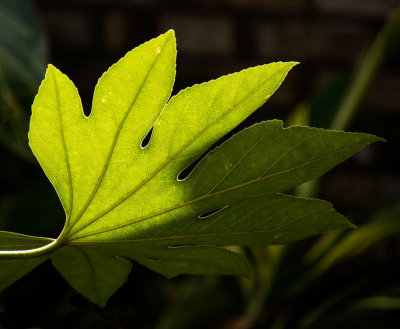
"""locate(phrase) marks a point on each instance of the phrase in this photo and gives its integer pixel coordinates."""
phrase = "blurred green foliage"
(22, 64)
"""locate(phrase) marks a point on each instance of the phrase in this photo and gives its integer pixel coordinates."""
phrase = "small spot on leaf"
(146, 139)
(209, 213)
(176, 246)
(154, 258)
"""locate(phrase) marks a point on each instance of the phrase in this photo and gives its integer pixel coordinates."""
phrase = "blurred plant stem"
(15, 116)
(267, 260)
(368, 66)
(22, 64)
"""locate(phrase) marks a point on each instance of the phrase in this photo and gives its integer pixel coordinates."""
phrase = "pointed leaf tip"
(52, 69)
(170, 32)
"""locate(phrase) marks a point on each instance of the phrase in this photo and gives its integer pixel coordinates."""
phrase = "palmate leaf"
(123, 199)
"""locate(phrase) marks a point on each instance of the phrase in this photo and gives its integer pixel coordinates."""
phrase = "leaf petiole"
(45, 250)
(31, 253)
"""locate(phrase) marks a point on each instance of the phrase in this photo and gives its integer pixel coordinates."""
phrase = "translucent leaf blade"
(267, 158)
(198, 116)
(57, 118)
(73, 149)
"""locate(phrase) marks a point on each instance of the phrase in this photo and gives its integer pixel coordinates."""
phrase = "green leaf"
(124, 199)
(94, 274)
(13, 269)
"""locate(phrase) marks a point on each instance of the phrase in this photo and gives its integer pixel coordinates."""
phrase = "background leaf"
(13, 269)
(22, 64)
(92, 273)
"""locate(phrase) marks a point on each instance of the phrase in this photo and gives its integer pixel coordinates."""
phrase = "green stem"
(384, 45)
(37, 252)
(31, 253)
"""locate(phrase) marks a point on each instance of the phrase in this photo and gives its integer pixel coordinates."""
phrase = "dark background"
(214, 38)
(220, 37)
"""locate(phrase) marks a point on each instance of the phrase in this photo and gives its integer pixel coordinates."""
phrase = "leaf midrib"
(188, 236)
(192, 236)
(70, 185)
